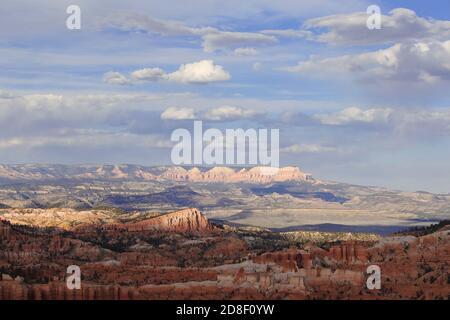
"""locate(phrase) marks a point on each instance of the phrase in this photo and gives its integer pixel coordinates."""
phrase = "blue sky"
(354, 105)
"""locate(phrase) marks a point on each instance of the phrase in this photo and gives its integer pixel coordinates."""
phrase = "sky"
(354, 105)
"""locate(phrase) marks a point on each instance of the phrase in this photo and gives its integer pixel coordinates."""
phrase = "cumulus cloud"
(426, 62)
(148, 74)
(112, 77)
(201, 72)
(410, 123)
(398, 26)
(355, 115)
(224, 113)
(37, 113)
(81, 120)
(204, 71)
(174, 113)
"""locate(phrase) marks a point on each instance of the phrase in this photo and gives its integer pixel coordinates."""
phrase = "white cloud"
(425, 62)
(212, 38)
(229, 113)
(398, 26)
(409, 123)
(112, 77)
(355, 115)
(42, 112)
(148, 74)
(200, 72)
(345, 29)
(222, 113)
(39, 17)
(141, 22)
(174, 113)
(245, 52)
(421, 122)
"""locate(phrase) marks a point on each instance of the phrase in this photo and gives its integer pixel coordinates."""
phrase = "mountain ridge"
(219, 174)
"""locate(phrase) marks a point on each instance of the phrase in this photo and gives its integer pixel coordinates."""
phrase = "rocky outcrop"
(349, 253)
(289, 261)
(63, 218)
(188, 220)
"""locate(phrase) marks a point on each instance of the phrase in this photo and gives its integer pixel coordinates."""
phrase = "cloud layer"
(427, 62)
(399, 25)
(201, 72)
(222, 113)
(212, 38)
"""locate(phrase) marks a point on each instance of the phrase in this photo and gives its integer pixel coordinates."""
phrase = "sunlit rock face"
(188, 220)
(230, 175)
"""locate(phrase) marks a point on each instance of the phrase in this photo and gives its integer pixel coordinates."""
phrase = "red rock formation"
(187, 220)
(349, 252)
(290, 260)
(5, 230)
(229, 175)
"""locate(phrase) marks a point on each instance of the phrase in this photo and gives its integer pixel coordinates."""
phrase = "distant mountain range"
(136, 172)
(277, 199)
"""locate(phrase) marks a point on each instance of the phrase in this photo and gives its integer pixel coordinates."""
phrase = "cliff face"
(188, 220)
